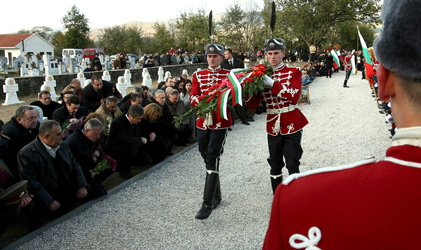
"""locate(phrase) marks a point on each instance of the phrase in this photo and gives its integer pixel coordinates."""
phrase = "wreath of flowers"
(251, 81)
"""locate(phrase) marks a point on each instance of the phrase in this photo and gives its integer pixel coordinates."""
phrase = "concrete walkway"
(157, 212)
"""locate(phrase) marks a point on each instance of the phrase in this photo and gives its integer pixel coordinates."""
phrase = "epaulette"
(293, 177)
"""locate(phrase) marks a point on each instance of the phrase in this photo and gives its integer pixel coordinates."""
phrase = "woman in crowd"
(185, 93)
(157, 146)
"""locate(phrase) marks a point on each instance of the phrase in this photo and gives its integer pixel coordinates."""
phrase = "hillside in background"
(147, 27)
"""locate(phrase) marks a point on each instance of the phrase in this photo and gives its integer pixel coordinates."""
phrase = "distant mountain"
(147, 27)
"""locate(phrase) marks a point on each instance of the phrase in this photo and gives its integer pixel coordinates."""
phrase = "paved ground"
(158, 211)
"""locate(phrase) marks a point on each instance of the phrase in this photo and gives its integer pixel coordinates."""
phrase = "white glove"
(268, 81)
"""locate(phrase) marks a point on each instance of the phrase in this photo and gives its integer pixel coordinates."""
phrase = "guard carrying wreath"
(284, 120)
(212, 129)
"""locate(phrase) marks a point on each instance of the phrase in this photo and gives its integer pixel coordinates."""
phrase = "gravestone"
(11, 88)
(128, 77)
(20, 59)
(51, 68)
(167, 75)
(66, 60)
(160, 74)
(73, 67)
(87, 82)
(46, 60)
(122, 85)
(132, 63)
(50, 86)
(33, 72)
(84, 64)
(106, 76)
(107, 63)
(246, 63)
(145, 70)
(81, 78)
(35, 60)
(24, 70)
(40, 114)
(41, 66)
(15, 63)
(185, 72)
(147, 80)
(3, 62)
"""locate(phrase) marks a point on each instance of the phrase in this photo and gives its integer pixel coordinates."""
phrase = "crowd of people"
(90, 133)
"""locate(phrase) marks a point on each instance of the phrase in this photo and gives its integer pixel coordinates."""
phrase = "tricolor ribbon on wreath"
(239, 83)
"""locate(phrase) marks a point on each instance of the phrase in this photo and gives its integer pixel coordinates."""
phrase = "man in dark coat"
(81, 143)
(96, 62)
(71, 112)
(231, 62)
(21, 129)
(55, 178)
(46, 104)
(126, 140)
(96, 92)
(135, 98)
(177, 108)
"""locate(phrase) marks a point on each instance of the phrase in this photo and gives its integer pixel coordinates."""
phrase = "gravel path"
(158, 211)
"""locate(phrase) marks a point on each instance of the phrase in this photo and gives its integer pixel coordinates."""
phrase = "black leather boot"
(218, 195)
(275, 180)
(345, 86)
(208, 196)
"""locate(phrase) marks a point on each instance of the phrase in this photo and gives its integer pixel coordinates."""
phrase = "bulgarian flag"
(335, 59)
(368, 65)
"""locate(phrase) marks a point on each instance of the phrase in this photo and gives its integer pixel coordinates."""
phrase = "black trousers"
(211, 146)
(288, 147)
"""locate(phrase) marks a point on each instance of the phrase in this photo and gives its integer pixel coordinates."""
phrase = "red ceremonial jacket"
(366, 205)
(347, 62)
(202, 81)
(281, 101)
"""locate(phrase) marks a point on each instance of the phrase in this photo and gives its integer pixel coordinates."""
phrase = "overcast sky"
(17, 15)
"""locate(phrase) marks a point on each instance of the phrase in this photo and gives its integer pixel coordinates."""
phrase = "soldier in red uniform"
(284, 120)
(370, 204)
(348, 68)
(211, 130)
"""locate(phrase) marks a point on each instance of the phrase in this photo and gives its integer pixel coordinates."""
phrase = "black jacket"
(36, 167)
(47, 110)
(122, 136)
(124, 107)
(19, 137)
(238, 64)
(82, 149)
(63, 116)
(96, 61)
(92, 98)
(329, 62)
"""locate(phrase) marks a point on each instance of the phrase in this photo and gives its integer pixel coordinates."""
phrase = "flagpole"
(358, 37)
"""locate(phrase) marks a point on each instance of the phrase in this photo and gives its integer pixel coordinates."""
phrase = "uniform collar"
(279, 66)
(215, 69)
(407, 136)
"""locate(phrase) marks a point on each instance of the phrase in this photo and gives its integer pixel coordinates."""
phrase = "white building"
(14, 45)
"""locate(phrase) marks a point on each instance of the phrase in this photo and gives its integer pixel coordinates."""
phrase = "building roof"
(12, 40)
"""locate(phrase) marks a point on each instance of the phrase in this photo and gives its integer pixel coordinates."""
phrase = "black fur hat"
(274, 44)
(214, 49)
(398, 47)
